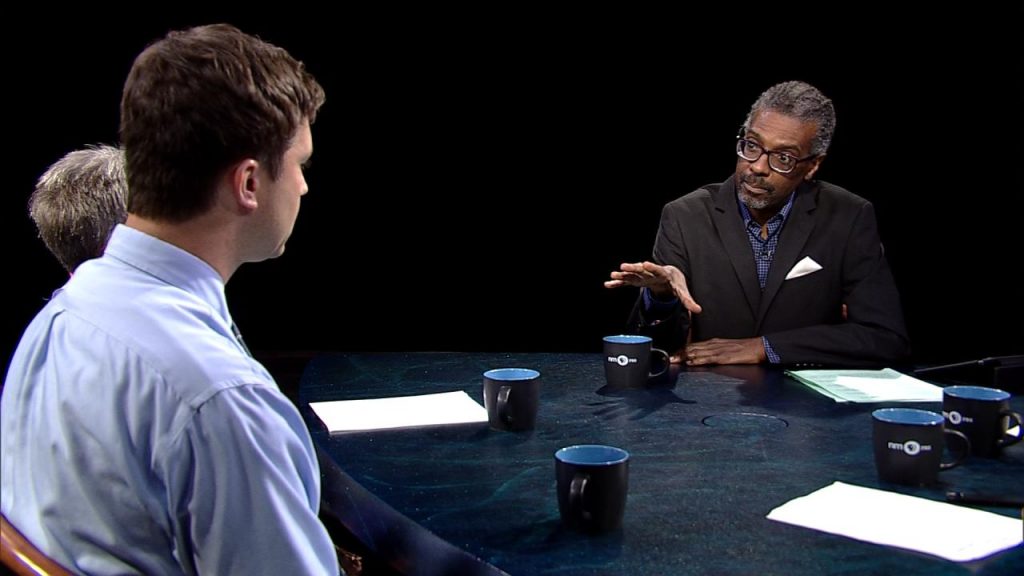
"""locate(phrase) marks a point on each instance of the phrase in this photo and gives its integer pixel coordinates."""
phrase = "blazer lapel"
(792, 239)
(727, 222)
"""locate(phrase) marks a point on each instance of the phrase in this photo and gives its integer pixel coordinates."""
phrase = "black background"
(478, 174)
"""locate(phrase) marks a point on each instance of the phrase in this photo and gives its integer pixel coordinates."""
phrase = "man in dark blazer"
(771, 265)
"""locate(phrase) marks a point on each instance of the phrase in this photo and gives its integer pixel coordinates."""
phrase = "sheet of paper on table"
(399, 412)
(937, 528)
(886, 385)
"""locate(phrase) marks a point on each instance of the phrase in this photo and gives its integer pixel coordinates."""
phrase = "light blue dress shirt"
(139, 437)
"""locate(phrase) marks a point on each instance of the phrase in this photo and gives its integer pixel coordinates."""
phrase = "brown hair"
(199, 100)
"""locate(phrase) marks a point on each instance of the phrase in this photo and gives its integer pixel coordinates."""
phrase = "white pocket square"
(803, 268)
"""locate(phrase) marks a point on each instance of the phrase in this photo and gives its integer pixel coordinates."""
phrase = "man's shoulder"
(828, 193)
(177, 336)
(704, 195)
(134, 306)
(699, 200)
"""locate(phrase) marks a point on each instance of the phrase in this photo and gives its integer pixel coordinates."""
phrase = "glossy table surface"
(713, 451)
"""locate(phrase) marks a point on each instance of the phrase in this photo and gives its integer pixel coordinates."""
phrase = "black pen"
(984, 500)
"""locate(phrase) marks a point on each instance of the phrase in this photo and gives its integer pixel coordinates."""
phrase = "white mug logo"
(910, 447)
(622, 360)
(956, 418)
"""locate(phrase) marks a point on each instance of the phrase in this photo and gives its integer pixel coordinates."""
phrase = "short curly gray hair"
(802, 101)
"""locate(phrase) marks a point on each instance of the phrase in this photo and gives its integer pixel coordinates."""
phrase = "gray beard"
(754, 203)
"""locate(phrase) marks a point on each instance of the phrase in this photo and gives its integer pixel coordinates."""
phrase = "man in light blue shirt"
(137, 434)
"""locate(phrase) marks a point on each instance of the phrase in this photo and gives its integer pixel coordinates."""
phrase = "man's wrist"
(662, 295)
(655, 310)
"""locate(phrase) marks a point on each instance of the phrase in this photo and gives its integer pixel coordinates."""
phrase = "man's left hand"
(726, 351)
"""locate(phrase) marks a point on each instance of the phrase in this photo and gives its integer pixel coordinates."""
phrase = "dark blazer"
(702, 234)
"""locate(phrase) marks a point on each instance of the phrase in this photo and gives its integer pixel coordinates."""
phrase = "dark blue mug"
(511, 396)
(627, 360)
(908, 445)
(592, 482)
(984, 416)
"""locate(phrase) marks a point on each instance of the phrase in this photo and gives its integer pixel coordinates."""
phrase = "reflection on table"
(712, 452)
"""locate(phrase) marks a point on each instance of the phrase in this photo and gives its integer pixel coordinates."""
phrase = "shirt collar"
(170, 264)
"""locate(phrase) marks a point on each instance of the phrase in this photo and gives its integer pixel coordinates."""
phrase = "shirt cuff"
(655, 307)
(773, 358)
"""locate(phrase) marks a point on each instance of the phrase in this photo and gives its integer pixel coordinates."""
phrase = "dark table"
(712, 452)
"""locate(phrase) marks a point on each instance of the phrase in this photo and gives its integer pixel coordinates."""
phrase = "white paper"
(886, 385)
(399, 412)
(937, 528)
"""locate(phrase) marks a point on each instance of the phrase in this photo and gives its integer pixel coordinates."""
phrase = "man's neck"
(202, 236)
(764, 215)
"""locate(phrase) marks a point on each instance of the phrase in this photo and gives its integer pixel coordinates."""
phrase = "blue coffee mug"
(592, 482)
(908, 445)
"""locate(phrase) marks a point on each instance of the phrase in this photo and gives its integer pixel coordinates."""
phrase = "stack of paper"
(885, 385)
(399, 412)
(944, 530)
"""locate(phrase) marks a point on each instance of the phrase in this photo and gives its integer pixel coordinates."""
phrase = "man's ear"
(815, 164)
(244, 179)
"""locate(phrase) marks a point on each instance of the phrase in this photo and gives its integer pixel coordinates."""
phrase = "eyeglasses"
(781, 162)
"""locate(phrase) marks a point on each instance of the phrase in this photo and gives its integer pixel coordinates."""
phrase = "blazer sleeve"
(874, 332)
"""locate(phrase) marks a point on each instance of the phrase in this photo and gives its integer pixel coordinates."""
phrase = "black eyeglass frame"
(742, 142)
